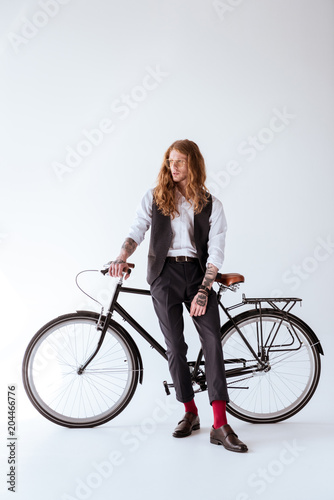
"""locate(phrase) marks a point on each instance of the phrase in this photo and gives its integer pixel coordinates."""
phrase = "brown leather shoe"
(189, 423)
(227, 437)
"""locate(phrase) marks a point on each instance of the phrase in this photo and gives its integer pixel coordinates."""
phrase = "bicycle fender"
(252, 312)
(125, 334)
(311, 333)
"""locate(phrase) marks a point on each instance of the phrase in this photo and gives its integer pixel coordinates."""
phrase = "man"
(186, 251)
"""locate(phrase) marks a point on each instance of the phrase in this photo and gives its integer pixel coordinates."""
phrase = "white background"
(224, 72)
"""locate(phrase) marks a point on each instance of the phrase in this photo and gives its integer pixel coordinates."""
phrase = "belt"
(181, 258)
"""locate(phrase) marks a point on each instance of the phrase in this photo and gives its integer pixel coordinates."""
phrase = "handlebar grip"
(131, 266)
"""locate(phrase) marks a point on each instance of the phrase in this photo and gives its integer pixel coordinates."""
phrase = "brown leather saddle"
(229, 279)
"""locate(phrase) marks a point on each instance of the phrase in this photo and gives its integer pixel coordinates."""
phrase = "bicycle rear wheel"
(53, 384)
(292, 366)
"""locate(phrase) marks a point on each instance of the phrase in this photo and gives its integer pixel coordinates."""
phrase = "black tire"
(293, 367)
(50, 371)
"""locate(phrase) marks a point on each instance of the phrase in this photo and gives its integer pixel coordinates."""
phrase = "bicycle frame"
(259, 358)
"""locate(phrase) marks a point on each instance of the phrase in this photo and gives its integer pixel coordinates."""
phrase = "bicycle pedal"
(167, 386)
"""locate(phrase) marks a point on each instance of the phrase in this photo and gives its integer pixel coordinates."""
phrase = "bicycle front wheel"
(292, 369)
(54, 384)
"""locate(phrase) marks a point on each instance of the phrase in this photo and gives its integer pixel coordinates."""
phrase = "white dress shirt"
(183, 228)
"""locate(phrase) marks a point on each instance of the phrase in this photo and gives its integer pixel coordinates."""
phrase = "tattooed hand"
(198, 305)
(200, 301)
(117, 268)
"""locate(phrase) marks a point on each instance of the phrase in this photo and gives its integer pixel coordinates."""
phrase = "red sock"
(191, 407)
(219, 413)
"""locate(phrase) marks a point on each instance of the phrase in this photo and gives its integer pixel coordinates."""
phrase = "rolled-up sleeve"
(217, 234)
(143, 218)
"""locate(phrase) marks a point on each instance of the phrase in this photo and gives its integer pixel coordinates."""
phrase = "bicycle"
(82, 369)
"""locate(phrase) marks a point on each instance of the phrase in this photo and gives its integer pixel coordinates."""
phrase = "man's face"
(178, 166)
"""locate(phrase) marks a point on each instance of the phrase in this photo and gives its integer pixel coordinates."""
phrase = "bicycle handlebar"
(225, 279)
(131, 266)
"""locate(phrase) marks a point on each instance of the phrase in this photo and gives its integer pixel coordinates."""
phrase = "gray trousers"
(177, 285)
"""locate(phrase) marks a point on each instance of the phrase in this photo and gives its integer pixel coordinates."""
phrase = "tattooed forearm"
(119, 267)
(128, 247)
(210, 275)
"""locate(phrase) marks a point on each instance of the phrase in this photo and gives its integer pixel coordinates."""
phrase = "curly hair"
(196, 191)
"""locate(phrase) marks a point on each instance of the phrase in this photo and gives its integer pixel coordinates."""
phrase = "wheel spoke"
(292, 371)
(55, 387)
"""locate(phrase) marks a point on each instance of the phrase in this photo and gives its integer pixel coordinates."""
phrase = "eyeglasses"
(177, 163)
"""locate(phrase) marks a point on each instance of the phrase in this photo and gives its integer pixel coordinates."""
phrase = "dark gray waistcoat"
(161, 237)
